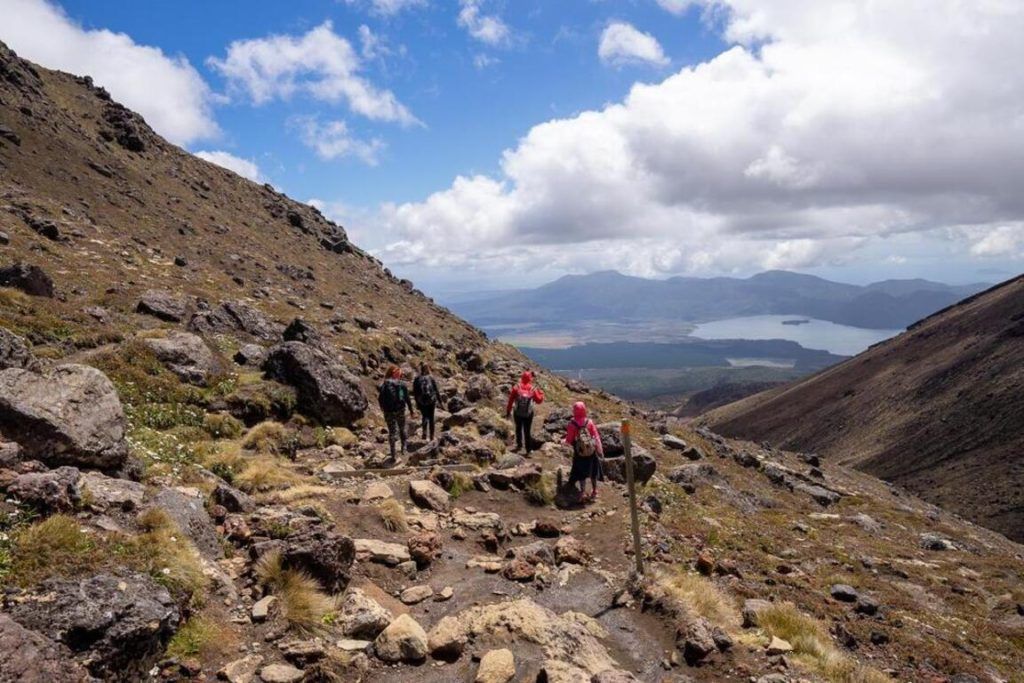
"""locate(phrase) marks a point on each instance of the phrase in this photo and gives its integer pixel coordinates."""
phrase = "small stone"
(844, 593)
(867, 606)
(444, 594)
(302, 652)
(705, 563)
(778, 646)
(416, 594)
(751, 609)
(262, 609)
(377, 491)
(280, 673)
(497, 666)
(447, 639)
(350, 645)
(519, 570)
(427, 494)
(241, 670)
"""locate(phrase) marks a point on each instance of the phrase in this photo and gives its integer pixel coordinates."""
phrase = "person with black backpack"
(587, 451)
(393, 398)
(520, 407)
(427, 396)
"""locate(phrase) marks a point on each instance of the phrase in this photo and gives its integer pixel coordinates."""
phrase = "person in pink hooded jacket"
(587, 451)
(520, 407)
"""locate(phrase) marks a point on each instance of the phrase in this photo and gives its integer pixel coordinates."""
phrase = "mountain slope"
(196, 482)
(938, 409)
(611, 296)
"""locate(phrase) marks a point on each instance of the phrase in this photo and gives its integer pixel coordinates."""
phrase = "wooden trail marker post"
(627, 444)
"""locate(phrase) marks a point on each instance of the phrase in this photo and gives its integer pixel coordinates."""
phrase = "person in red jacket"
(520, 407)
(587, 451)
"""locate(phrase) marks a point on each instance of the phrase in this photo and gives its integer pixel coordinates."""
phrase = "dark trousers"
(396, 429)
(427, 420)
(524, 425)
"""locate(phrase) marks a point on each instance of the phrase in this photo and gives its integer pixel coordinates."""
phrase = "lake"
(812, 334)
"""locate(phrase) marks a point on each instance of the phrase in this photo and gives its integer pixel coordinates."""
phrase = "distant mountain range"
(609, 295)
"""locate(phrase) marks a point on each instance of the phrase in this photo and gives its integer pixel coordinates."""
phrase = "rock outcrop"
(70, 415)
(326, 389)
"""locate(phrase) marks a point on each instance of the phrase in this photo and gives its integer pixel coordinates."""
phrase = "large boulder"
(644, 466)
(326, 389)
(404, 640)
(51, 491)
(32, 280)
(611, 439)
(163, 305)
(70, 415)
(14, 351)
(187, 508)
(109, 493)
(429, 495)
(29, 657)
(360, 616)
(187, 356)
(235, 316)
(117, 624)
(324, 555)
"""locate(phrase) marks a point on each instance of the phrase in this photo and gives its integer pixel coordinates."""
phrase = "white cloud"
(372, 46)
(179, 109)
(388, 8)
(841, 127)
(246, 168)
(487, 28)
(623, 43)
(482, 61)
(320, 64)
(675, 6)
(332, 140)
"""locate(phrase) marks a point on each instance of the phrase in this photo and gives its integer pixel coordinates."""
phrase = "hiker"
(427, 396)
(393, 398)
(520, 407)
(587, 451)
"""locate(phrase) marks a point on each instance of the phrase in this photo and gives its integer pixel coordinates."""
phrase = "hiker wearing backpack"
(427, 396)
(520, 407)
(393, 398)
(587, 451)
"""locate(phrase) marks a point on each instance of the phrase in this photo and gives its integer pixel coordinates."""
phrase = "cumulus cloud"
(333, 140)
(320, 63)
(179, 109)
(820, 130)
(246, 168)
(622, 43)
(675, 6)
(487, 28)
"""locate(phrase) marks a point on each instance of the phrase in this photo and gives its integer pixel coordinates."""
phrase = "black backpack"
(523, 406)
(391, 396)
(425, 391)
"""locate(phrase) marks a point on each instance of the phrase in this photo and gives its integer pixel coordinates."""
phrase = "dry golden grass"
(267, 438)
(265, 474)
(702, 596)
(813, 647)
(166, 553)
(202, 637)
(221, 426)
(542, 492)
(300, 493)
(56, 546)
(461, 482)
(304, 605)
(392, 515)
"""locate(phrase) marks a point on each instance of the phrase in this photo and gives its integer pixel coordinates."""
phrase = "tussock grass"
(221, 426)
(270, 438)
(304, 605)
(265, 474)
(392, 515)
(461, 483)
(542, 491)
(701, 595)
(813, 646)
(164, 552)
(201, 637)
(56, 546)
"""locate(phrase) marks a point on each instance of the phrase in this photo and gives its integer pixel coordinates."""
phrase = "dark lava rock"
(844, 593)
(187, 356)
(644, 466)
(14, 351)
(120, 624)
(326, 389)
(30, 657)
(51, 491)
(324, 555)
(232, 499)
(163, 305)
(32, 280)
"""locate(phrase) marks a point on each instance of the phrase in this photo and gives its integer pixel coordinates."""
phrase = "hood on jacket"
(526, 378)
(579, 411)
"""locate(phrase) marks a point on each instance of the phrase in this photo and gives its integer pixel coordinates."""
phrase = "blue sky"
(492, 143)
